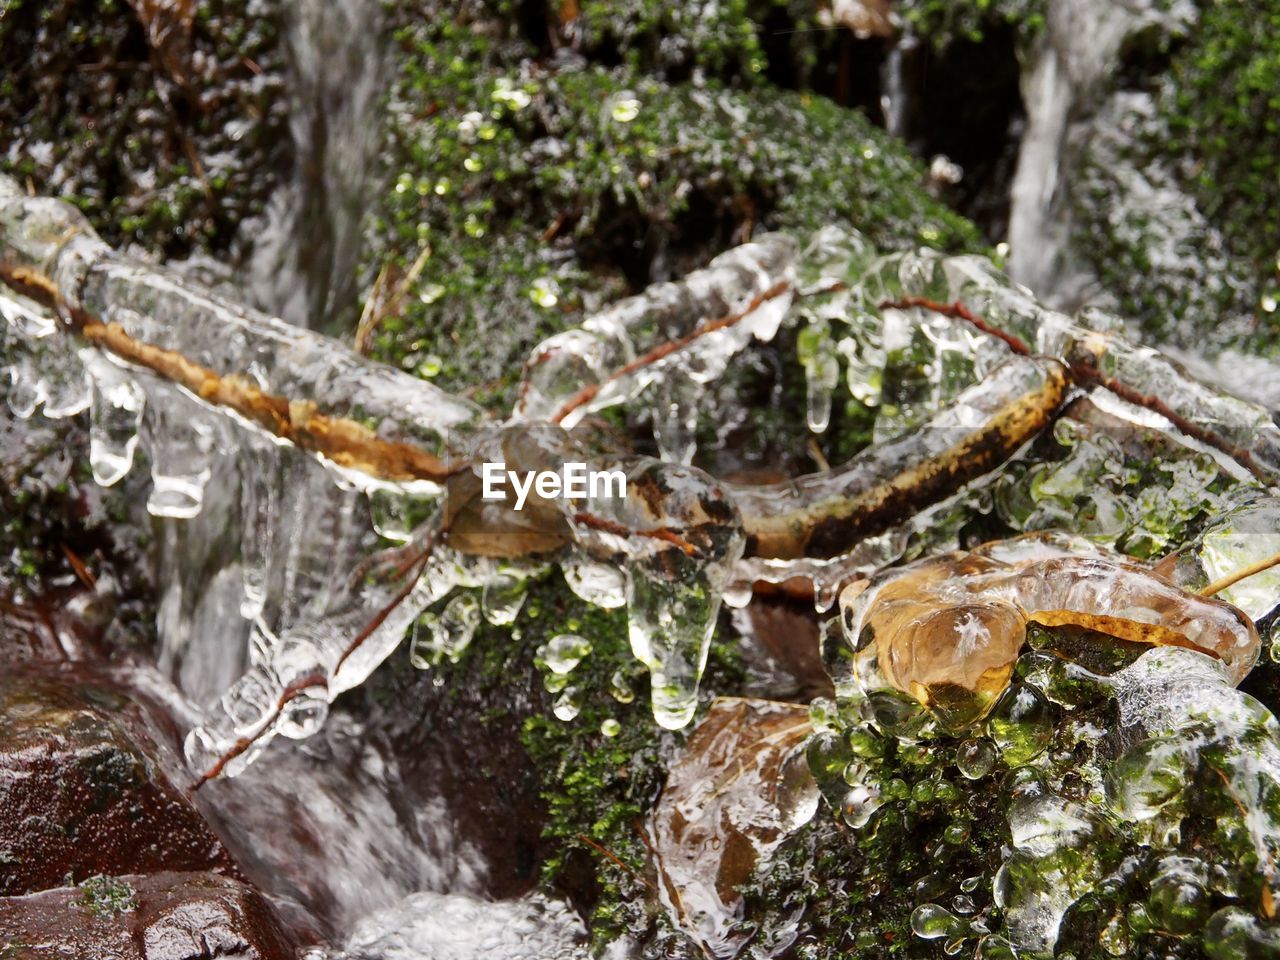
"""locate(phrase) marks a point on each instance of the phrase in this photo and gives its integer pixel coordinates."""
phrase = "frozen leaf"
(948, 630)
(742, 786)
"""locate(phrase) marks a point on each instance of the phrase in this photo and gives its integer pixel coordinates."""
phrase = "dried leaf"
(948, 630)
(741, 788)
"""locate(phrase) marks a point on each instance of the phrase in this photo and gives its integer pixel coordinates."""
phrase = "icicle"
(682, 537)
(817, 354)
(259, 514)
(26, 392)
(181, 451)
(675, 417)
(115, 417)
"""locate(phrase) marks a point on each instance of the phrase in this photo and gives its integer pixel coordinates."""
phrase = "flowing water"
(305, 260)
(1065, 91)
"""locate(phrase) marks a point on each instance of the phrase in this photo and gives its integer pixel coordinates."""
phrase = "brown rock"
(166, 916)
(83, 791)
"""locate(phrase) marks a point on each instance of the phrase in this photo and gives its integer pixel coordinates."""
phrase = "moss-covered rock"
(544, 184)
(1178, 192)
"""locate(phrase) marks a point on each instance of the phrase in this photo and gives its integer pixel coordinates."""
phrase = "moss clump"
(603, 770)
(544, 186)
(171, 148)
(104, 897)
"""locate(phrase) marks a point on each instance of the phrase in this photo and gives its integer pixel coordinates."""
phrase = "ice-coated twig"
(376, 424)
(826, 515)
(664, 350)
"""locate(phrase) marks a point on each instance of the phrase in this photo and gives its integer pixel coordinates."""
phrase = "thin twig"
(598, 847)
(83, 574)
(291, 692)
(612, 526)
(958, 311)
(1243, 574)
(295, 689)
(1084, 373)
(589, 392)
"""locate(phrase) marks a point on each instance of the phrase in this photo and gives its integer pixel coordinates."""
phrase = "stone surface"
(166, 916)
(83, 790)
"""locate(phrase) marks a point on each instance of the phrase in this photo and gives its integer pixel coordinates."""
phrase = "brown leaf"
(740, 789)
(948, 630)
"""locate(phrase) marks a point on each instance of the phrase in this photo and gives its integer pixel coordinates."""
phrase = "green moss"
(598, 788)
(170, 152)
(545, 189)
(104, 897)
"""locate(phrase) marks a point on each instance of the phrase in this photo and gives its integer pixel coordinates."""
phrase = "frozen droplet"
(975, 758)
(304, 713)
(599, 584)
(1021, 724)
(564, 652)
(502, 597)
(568, 704)
(620, 687)
(555, 682)
(930, 921)
(610, 727)
(446, 635)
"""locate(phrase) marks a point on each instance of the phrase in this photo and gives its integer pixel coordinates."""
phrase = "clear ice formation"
(946, 631)
(439, 926)
(330, 449)
(753, 281)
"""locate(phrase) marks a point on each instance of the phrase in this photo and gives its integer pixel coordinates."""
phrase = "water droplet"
(568, 704)
(503, 596)
(620, 687)
(625, 108)
(304, 714)
(564, 652)
(930, 921)
(1021, 724)
(610, 727)
(975, 758)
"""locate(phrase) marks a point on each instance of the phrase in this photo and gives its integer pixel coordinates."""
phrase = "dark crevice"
(965, 103)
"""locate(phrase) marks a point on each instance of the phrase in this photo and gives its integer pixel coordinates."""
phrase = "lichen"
(104, 897)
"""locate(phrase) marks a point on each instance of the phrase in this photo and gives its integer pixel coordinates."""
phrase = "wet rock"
(167, 916)
(83, 790)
